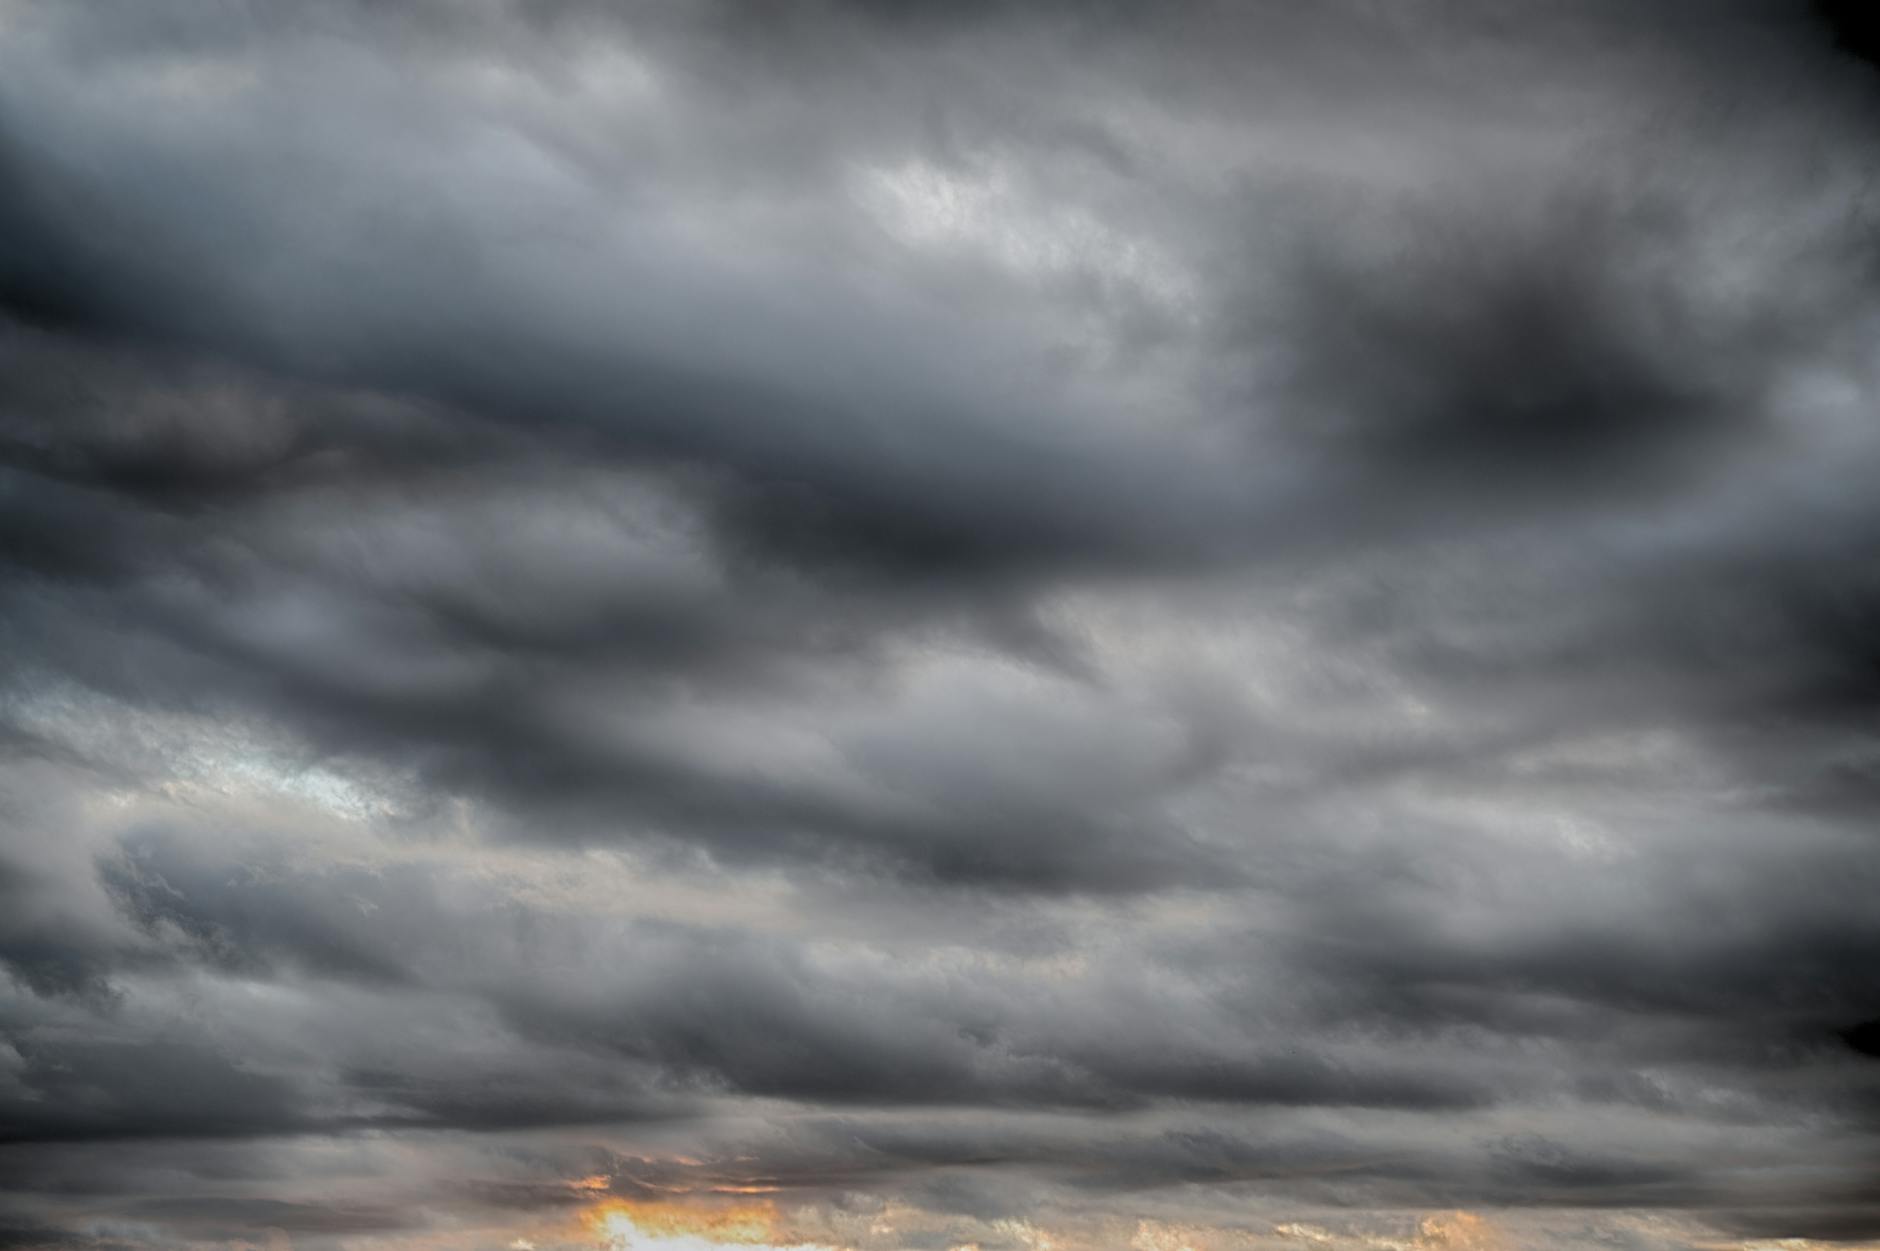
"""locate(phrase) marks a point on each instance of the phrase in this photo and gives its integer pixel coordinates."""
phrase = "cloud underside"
(1229, 626)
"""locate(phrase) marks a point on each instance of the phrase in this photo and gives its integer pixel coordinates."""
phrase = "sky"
(976, 626)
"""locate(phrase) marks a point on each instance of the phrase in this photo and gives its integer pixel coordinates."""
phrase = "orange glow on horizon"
(664, 1225)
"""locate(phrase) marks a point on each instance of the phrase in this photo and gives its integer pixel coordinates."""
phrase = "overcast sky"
(911, 626)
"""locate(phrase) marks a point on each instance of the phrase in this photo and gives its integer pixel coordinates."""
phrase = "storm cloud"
(874, 625)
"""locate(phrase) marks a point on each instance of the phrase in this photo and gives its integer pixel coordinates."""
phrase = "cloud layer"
(1240, 625)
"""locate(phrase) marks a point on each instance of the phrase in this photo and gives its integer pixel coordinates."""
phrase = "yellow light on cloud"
(620, 1225)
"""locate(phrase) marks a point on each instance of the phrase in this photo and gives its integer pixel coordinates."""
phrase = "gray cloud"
(957, 623)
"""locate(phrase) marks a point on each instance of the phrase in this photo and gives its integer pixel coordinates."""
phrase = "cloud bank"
(902, 626)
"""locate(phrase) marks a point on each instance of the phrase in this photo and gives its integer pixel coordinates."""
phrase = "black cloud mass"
(851, 625)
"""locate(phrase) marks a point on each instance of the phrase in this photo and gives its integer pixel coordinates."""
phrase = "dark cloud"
(1854, 29)
(1548, 355)
(140, 1087)
(974, 623)
(233, 1218)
